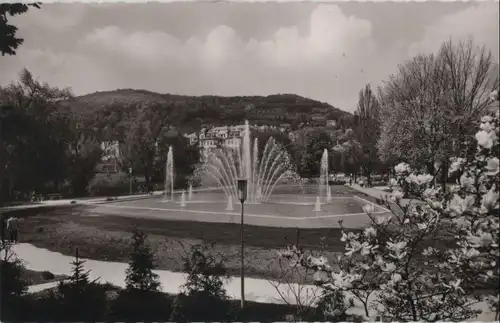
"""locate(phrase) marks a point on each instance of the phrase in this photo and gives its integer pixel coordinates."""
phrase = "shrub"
(136, 305)
(139, 274)
(47, 275)
(77, 300)
(12, 286)
(111, 185)
(204, 297)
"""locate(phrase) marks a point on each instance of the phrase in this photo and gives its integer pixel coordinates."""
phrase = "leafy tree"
(185, 158)
(139, 274)
(348, 152)
(35, 157)
(367, 129)
(263, 137)
(310, 147)
(8, 40)
(142, 139)
(432, 102)
(83, 154)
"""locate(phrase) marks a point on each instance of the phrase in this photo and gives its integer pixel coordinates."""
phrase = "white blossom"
(490, 200)
(395, 278)
(485, 139)
(381, 219)
(368, 208)
(493, 166)
(458, 205)
(397, 249)
(483, 239)
(396, 195)
(466, 181)
(370, 232)
(388, 266)
(401, 168)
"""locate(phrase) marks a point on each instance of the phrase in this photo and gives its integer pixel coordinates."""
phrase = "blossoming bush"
(430, 260)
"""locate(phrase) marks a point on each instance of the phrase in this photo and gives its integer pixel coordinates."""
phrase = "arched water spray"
(227, 164)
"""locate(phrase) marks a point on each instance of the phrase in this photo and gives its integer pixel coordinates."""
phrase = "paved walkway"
(39, 287)
(97, 200)
(379, 193)
(371, 191)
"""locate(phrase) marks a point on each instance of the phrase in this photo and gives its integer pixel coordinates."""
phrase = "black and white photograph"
(240, 161)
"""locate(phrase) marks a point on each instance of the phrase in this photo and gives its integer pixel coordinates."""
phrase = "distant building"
(109, 158)
(224, 136)
(192, 138)
(331, 123)
(293, 136)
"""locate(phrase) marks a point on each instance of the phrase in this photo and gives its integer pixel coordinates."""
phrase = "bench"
(54, 196)
(37, 198)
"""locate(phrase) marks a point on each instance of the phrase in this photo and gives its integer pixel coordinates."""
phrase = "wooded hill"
(189, 113)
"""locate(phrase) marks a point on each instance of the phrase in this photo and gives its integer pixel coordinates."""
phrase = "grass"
(63, 229)
(107, 238)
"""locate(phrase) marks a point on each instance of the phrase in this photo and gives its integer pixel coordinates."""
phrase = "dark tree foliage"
(204, 297)
(367, 121)
(43, 145)
(12, 286)
(78, 299)
(8, 40)
(139, 274)
(140, 306)
(308, 152)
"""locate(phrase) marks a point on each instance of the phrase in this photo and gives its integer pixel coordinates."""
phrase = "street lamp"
(130, 179)
(242, 195)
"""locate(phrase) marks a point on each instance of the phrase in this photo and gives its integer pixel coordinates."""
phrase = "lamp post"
(242, 194)
(130, 179)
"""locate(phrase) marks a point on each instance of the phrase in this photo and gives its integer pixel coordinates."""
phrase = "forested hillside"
(189, 113)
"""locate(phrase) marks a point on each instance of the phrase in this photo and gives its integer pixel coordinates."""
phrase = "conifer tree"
(80, 298)
(139, 274)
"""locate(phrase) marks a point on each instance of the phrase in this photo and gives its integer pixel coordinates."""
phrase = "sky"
(326, 52)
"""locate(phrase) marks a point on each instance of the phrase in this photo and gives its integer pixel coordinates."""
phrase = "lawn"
(64, 229)
(100, 234)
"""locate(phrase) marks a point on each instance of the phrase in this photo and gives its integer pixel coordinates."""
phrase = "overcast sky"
(323, 51)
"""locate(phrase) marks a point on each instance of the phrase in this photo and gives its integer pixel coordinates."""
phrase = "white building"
(224, 136)
(109, 158)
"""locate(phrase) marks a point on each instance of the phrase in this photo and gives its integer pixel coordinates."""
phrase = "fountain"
(263, 172)
(183, 199)
(317, 205)
(328, 193)
(230, 206)
(169, 175)
(190, 192)
(323, 177)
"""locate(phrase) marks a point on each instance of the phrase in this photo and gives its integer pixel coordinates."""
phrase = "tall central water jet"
(263, 171)
(323, 177)
(169, 175)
